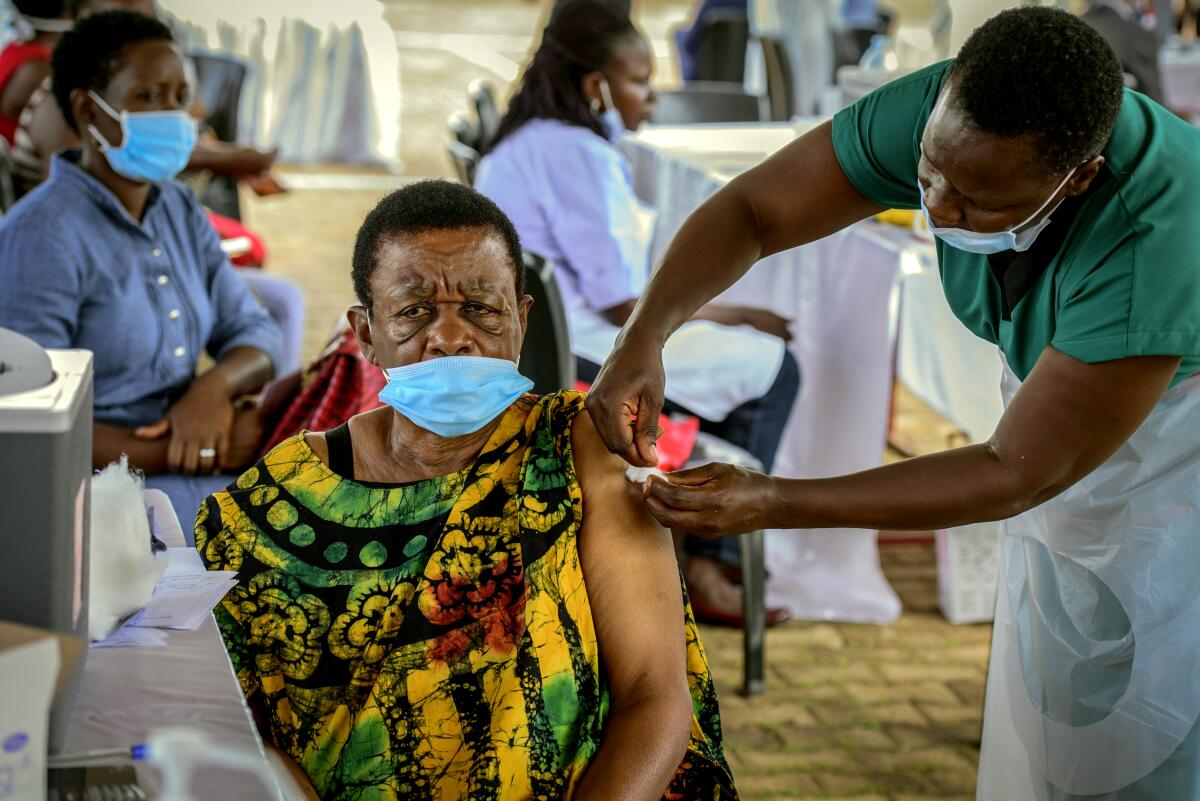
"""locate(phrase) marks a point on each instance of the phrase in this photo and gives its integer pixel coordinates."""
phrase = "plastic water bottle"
(876, 55)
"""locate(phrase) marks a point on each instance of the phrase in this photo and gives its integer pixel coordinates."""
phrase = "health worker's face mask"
(155, 145)
(454, 395)
(1000, 241)
(610, 119)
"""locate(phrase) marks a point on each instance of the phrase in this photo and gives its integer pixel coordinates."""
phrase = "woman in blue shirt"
(556, 173)
(112, 256)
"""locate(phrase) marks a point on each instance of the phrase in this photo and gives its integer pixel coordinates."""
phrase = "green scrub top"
(1126, 281)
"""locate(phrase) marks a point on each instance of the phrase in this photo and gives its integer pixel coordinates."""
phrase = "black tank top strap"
(341, 450)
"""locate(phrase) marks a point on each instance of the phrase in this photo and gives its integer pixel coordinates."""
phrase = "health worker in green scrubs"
(1066, 211)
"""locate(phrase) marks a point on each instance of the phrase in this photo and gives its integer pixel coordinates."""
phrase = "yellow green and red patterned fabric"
(430, 640)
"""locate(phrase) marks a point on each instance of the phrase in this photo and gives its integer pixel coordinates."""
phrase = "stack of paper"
(183, 599)
(183, 602)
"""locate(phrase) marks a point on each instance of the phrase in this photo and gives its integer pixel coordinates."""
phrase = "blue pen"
(85, 758)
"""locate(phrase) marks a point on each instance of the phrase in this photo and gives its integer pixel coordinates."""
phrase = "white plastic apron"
(1094, 680)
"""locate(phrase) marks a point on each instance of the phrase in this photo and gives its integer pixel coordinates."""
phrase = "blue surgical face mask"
(155, 145)
(1000, 241)
(610, 119)
(454, 395)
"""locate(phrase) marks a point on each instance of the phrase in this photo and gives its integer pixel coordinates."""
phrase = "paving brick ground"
(851, 711)
(855, 711)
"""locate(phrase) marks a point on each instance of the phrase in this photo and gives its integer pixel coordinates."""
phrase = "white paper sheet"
(183, 562)
(184, 601)
(133, 637)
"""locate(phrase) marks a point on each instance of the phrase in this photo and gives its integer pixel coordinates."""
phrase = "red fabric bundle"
(229, 228)
(339, 385)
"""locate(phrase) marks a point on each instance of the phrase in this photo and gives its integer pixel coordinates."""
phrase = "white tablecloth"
(840, 293)
(324, 78)
(861, 301)
(127, 692)
(954, 372)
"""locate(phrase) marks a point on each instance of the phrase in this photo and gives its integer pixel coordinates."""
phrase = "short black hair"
(581, 38)
(435, 205)
(45, 9)
(1041, 71)
(92, 52)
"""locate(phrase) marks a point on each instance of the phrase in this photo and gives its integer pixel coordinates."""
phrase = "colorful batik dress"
(430, 640)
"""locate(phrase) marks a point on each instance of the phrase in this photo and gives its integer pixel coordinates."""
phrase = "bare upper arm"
(21, 85)
(1069, 417)
(632, 578)
(801, 193)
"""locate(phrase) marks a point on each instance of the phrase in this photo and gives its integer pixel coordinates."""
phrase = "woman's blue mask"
(155, 145)
(454, 395)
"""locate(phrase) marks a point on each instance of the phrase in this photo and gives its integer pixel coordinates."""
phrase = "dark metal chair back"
(701, 102)
(546, 357)
(487, 112)
(463, 146)
(219, 81)
(780, 79)
(724, 37)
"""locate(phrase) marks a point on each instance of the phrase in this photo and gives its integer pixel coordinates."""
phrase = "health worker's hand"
(716, 500)
(625, 401)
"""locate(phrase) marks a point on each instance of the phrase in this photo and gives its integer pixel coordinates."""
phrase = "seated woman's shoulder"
(593, 460)
(283, 464)
(558, 139)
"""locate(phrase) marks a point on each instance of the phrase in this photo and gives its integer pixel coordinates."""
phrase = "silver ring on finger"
(208, 453)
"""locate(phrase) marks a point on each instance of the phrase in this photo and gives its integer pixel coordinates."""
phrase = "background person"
(42, 131)
(1063, 207)
(113, 256)
(556, 172)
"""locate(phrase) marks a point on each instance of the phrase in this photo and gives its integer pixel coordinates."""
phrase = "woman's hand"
(199, 425)
(625, 401)
(766, 321)
(762, 320)
(716, 500)
(251, 161)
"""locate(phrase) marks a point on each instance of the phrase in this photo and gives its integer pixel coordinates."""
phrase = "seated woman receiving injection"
(460, 595)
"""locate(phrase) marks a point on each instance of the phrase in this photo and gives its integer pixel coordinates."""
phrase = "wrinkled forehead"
(461, 260)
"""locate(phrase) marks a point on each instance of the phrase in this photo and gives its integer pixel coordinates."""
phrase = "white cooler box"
(968, 559)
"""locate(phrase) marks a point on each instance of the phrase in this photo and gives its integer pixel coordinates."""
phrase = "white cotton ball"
(124, 569)
(638, 475)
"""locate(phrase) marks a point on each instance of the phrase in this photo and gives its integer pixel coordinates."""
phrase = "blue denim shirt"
(77, 271)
